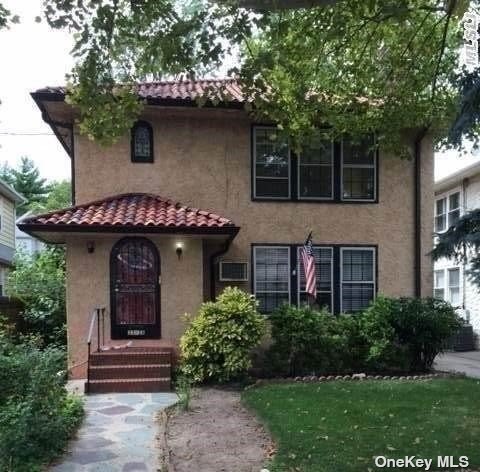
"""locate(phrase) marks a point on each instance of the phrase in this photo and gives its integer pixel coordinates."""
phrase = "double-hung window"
(446, 285)
(315, 171)
(324, 275)
(272, 164)
(345, 277)
(447, 211)
(358, 170)
(357, 278)
(322, 171)
(271, 276)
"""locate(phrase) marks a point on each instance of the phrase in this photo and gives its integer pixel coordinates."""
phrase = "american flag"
(308, 260)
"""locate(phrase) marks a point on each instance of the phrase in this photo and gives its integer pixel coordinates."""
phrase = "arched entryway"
(135, 289)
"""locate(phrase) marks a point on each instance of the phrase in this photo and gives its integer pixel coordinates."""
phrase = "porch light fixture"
(90, 247)
(179, 249)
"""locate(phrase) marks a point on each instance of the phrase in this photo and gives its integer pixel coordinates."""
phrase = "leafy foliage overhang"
(375, 65)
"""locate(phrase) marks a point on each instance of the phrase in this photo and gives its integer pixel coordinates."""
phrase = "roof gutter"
(417, 195)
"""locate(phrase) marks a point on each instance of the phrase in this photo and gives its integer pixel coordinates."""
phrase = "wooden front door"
(135, 289)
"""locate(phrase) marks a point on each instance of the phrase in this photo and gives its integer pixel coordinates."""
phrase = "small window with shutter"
(233, 271)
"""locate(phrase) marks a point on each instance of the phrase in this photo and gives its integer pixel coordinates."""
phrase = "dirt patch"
(218, 434)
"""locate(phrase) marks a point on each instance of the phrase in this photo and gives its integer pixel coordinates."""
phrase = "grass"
(342, 426)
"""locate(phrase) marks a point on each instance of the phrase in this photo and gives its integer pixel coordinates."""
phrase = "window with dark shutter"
(142, 142)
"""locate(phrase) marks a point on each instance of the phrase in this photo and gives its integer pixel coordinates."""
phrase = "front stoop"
(130, 370)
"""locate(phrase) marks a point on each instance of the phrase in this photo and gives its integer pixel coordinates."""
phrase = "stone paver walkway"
(118, 434)
(467, 363)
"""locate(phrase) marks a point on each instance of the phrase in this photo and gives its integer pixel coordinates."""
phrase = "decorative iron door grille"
(135, 289)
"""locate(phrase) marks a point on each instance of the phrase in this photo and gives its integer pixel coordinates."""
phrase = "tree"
(461, 242)
(27, 181)
(39, 282)
(358, 66)
(59, 196)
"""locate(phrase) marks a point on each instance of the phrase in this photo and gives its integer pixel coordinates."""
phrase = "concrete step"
(130, 371)
(140, 385)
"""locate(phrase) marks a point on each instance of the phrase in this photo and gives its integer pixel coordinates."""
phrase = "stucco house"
(9, 198)
(196, 199)
(456, 194)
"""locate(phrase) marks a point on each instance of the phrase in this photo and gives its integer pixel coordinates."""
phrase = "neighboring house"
(247, 205)
(26, 242)
(454, 195)
(9, 198)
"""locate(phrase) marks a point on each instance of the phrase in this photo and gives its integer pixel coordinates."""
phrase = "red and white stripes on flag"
(308, 260)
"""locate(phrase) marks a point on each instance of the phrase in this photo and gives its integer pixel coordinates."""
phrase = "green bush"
(39, 283)
(306, 341)
(37, 416)
(392, 335)
(218, 342)
(421, 327)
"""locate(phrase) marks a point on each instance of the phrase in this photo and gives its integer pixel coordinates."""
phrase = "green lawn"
(342, 426)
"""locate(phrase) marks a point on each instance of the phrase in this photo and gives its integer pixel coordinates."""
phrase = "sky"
(34, 56)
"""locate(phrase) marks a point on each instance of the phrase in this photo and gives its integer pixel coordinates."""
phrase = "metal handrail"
(95, 317)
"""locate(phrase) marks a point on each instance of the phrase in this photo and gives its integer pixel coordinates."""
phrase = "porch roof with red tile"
(131, 212)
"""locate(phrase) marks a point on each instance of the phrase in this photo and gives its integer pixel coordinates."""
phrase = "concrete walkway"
(118, 434)
(467, 363)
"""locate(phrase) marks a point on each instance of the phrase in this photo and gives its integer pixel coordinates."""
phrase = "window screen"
(272, 277)
(357, 278)
(358, 170)
(272, 163)
(323, 271)
(315, 170)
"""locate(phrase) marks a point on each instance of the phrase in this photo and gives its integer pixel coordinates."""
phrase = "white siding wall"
(469, 293)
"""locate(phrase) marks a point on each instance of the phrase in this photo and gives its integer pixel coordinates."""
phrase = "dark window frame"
(141, 159)
(337, 177)
(336, 268)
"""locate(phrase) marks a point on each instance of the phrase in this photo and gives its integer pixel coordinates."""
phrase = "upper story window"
(358, 170)
(142, 142)
(323, 171)
(315, 170)
(272, 164)
(447, 211)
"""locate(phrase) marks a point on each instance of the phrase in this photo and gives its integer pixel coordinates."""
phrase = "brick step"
(155, 384)
(129, 371)
(130, 358)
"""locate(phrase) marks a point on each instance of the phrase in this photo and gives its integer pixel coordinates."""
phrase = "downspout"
(216, 255)
(417, 192)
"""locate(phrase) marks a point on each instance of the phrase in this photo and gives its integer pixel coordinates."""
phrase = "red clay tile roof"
(225, 90)
(137, 211)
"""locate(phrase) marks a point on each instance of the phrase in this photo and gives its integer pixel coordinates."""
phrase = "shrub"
(39, 283)
(218, 342)
(391, 335)
(306, 341)
(422, 326)
(384, 350)
(37, 416)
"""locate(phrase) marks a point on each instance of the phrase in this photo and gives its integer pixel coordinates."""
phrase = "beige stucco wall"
(202, 158)
(88, 287)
